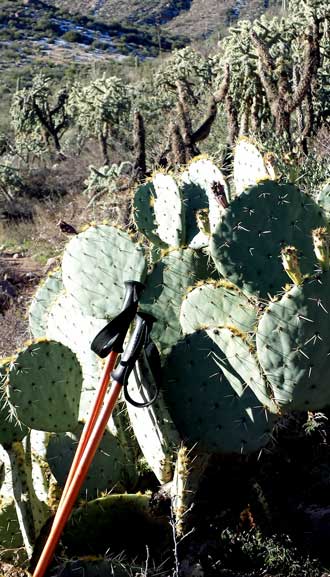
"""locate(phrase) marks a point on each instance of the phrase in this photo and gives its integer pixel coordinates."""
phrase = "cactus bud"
(271, 166)
(290, 263)
(202, 219)
(219, 193)
(321, 241)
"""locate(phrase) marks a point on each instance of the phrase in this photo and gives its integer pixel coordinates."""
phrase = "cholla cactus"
(39, 120)
(279, 85)
(185, 65)
(10, 182)
(104, 179)
(98, 107)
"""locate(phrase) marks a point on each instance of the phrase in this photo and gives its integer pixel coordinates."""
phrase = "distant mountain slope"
(207, 16)
(36, 29)
(192, 18)
(140, 11)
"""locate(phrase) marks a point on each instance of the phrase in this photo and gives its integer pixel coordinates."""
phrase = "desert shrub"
(73, 36)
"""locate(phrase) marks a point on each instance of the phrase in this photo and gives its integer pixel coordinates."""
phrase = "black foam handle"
(140, 335)
(149, 358)
(112, 336)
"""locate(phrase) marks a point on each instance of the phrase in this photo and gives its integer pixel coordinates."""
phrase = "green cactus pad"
(10, 534)
(323, 198)
(67, 325)
(11, 429)
(215, 304)
(206, 409)
(249, 166)
(203, 173)
(194, 199)
(119, 522)
(45, 296)
(144, 214)
(44, 385)
(293, 345)
(165, 208)
(96, 263)
(165, 289)
(108, 471)
(246, 245)
(242, 356)
(168, 210)
(153, 426)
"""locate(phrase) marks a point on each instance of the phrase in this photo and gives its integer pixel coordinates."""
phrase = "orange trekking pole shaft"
(90, 423)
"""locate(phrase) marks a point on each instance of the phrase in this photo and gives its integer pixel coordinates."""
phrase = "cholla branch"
(204, 130)
(178, 149)
(221, 94)
(265, 67)
(233, 128)
(311, 62)
(139, 146)
(309, 115)
(185, 120)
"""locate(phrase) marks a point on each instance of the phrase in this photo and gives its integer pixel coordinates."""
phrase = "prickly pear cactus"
(189, 469)
(144, 214)
(323, 198)
(204, 405)
(119, 522)
(67, 325)
(241, 355)
(11, 429)
(247, 243)
(200, 182)
(44, 385)
(216, 304)
(166, 208)
(165, 287)
(153, 426)
(293, 348)
(45, 296)
(249, 166)
(10, 535)
(159, 211)
(96, 263)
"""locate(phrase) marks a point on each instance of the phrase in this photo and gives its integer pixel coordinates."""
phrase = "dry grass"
(34, 243)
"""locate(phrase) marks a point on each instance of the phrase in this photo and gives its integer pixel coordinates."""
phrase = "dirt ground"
(19, 277)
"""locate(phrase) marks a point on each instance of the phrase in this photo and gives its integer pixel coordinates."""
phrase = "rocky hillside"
(192, 18)
(33, 29)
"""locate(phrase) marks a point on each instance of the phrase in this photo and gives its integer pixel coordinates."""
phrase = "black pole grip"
(144, 322)
(112, 336)
(148, 366)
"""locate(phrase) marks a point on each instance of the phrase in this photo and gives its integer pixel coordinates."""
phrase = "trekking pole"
(120, 375)
(109, 340)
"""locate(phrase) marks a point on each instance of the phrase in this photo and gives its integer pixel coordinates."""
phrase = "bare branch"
(204, 130)
(220, 95)
(311, 63)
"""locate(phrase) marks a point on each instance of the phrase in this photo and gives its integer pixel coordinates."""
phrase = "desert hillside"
(193, 18)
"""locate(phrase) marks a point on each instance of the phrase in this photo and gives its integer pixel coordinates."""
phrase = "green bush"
(98, 45)
(73, 36)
